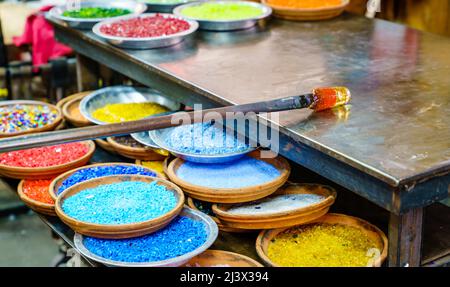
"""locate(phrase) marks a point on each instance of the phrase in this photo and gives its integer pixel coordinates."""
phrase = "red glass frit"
(44, 156)
(146, 27)
(330, 97)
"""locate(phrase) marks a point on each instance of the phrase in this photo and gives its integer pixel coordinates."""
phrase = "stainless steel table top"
(398, 126)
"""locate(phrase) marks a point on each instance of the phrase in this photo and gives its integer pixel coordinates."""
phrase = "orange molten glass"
(327, 98)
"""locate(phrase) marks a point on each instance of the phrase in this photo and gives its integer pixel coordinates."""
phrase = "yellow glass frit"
(115, 113)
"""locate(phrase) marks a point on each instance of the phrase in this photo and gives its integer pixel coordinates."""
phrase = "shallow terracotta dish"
(39, 207)
(71, 111)
(64, 100)
(265, 237)
(46, 172)
(118, 231)
(48, 127)
(221, 258)
(56, 183)
(105, 145)
(278, 219)
(191, 204)
(61, 126)
(307, 14)
(160, 169)
(166, 163)
(232, 195)
(143, 153)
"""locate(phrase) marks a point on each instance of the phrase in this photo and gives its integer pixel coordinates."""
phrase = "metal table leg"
(405, 238)
(87, 73)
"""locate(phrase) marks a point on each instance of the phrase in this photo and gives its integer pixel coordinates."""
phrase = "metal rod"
(157, 122)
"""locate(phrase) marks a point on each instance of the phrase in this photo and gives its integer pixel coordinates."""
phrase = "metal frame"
(403, 199)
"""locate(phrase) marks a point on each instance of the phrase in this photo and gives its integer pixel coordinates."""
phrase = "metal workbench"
(391, 145)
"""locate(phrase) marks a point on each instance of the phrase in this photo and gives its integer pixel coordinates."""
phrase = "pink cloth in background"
(40, 35)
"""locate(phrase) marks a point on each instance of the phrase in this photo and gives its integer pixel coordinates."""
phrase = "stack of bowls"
(127, 146)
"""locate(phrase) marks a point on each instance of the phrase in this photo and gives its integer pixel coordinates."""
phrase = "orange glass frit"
(306, 4)
(38, 190)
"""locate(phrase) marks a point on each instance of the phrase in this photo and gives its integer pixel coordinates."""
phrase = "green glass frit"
(96, 12)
